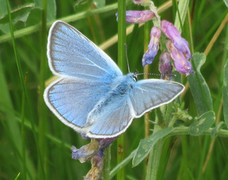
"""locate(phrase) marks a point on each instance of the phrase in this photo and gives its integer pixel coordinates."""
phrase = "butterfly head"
(135, 76)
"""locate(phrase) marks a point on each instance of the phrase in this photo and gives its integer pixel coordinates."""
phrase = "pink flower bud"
(153, 46)
(138, 16)
(165, 66)
(172, 33)
(181, 62)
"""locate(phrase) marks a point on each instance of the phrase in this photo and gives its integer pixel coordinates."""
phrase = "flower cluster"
(177, 48)
(93, 151)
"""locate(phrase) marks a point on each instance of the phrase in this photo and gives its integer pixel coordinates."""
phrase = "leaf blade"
(147, 144)
(225, 93)
(202, 123)
(198, 86)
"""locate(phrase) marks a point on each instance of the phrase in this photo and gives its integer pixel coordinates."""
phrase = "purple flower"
(165, 66)
(153, 46)
(169, 30)
(95, 147)
(181, 62)
(172, 33)
(95, 152)
(104, 143)
(138, 16)
(85, 152)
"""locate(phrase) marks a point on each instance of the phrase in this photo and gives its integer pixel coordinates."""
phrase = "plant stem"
(122, 65)
(146, 74)
(43, 173)
(106, 163)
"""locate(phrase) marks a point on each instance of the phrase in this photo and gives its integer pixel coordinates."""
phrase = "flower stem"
(146, 71)
(122, 64)
(106, 163)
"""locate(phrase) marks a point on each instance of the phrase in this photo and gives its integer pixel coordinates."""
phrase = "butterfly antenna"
(153, 74)
(128, 67)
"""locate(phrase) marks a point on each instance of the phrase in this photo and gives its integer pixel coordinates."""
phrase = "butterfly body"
(92, 95)
(120, 89)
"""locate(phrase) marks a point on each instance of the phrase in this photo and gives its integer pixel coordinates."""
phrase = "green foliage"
(147, 144)
(202, 123)
(198, 85)
(18, 15)
(99, 3)
(226, 3)
(35, 145)
(225, 93)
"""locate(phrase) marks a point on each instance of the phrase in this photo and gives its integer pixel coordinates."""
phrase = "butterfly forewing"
(71, 53)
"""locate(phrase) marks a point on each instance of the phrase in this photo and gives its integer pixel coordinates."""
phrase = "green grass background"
(35, 145)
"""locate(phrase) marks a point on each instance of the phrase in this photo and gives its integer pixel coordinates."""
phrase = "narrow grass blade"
(181, 14)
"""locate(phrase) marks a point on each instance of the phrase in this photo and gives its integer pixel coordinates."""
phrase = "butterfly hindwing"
(71, 99)
(114, 120)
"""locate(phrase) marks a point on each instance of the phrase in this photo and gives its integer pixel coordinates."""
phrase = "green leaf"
(225, 93)
(198, 85)
(3, 9)
(147, 144)
(18, 175)
(216, 129)
(226, 2)
(18, 15)
(51, 8)
(183, 9)
(34, 17)
(99, 3)
(202, 123)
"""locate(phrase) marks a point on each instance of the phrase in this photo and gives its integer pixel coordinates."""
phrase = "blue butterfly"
(92, 95)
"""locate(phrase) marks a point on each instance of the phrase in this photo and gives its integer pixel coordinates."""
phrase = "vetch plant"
(176, 46)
